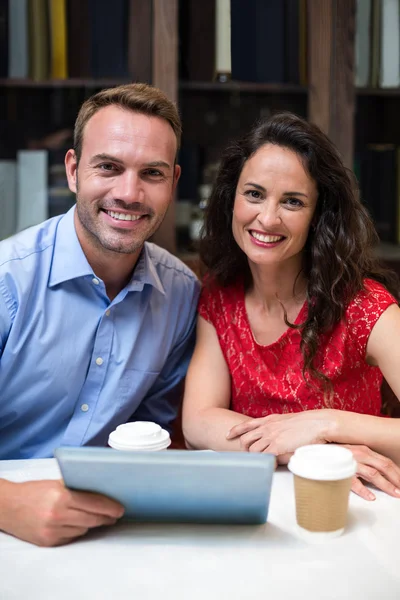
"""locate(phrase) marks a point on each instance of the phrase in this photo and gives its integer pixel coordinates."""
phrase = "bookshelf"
(346, 114)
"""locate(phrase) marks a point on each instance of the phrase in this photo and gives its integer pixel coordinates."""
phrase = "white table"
(193, 562)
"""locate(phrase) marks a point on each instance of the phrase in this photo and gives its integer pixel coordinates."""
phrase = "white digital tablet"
(180, 486)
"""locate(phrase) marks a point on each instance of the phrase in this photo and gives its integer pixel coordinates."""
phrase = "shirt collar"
(69, 261)
(145, 272)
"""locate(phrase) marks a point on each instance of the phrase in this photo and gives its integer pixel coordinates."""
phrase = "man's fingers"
(97, 504)
(360, 489)
(81, 518)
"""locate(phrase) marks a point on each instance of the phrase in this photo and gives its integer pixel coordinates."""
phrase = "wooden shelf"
(388, 252)
(242, 86)
(59, 83)
(370, 91)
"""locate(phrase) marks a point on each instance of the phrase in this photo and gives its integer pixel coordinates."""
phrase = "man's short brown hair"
(137, 97)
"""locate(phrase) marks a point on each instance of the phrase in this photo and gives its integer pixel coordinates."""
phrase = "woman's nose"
(269, 215)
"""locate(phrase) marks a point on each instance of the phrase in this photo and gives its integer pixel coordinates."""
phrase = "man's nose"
(129, 187)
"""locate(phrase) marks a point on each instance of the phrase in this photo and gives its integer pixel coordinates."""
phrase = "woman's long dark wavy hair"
(339, 249)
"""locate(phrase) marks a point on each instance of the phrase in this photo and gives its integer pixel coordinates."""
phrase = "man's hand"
(46, 513)
(283, 433)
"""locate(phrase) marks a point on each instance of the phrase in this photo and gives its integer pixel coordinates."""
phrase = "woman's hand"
(282, 434)
(375, 468)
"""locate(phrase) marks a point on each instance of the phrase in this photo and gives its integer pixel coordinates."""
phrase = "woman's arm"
(284, 433)
(206, 417)
(383, 350)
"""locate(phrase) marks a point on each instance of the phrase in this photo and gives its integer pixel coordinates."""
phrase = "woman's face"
(274, 206)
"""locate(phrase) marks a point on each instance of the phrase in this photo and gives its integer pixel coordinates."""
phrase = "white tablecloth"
(193, 562)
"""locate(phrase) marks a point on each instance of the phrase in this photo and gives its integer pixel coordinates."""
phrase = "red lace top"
(268, 379)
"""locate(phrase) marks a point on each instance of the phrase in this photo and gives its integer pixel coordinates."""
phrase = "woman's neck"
(278, 285)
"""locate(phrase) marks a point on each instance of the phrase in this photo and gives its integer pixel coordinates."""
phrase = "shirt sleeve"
(162, 403)
(364, 311)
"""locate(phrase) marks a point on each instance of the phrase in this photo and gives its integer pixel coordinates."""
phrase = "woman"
(297, 322)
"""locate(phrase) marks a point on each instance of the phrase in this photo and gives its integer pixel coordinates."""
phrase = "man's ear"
(177, 174)
(71, 169)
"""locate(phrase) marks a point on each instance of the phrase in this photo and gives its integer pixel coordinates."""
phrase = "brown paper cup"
(322, 506)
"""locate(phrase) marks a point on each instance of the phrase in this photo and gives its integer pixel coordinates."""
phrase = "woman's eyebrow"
(295, 194)
(262, 189)
(256, 185)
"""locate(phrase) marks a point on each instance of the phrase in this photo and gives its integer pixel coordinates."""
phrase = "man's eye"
(153, 173)
(107, 167)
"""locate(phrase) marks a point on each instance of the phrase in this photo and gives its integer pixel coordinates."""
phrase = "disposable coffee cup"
(322, 481)
(139, 435)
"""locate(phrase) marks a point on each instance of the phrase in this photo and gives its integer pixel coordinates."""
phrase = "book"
(363, 43)
(197, 40)
(8, 198)
(109, 38)
(375, 56)
(32, 188)
(292, 41)
(379, 189)
(18, 66)
(78, 39)
(38, 26)
(389, 75)
(58, 39)
(257, 41)
(140, 41)
(4, 15)
(190, 160)
(223, 66)
(303, 43)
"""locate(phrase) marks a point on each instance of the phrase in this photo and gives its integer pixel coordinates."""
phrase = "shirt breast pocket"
(135, 385)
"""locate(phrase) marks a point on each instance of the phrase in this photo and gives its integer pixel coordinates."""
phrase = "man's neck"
(113, 268)
(115, 271)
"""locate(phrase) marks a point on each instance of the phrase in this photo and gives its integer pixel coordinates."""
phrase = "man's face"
(125, 179)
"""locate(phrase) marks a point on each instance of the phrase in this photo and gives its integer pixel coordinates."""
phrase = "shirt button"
(95, 281)
(99, 361)
(108, 313)
(85, 407)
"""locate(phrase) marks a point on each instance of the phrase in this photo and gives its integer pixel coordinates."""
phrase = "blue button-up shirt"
(73, 365)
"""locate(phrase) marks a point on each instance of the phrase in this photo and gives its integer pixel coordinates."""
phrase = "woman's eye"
(253, 194)
(294, 202)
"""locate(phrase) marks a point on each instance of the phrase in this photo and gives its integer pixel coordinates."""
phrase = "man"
(96, 324)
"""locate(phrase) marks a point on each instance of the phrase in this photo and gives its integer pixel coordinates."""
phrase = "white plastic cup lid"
(139, 435)
(323, 462)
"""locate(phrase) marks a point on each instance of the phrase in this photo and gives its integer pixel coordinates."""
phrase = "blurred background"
(226, 63)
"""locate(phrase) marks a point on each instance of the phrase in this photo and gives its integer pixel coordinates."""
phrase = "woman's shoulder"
(216, 298)
(369, 303)
(213, 289)
(373, 294)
